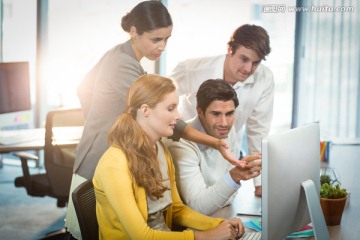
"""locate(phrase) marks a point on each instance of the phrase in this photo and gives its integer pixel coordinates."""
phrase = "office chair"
(61, 125)
(85, 207)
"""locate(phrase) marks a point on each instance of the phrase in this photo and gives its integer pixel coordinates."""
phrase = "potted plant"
(332, 200)
(325, 179)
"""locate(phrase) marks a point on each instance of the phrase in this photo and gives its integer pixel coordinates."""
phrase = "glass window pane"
(79, 33)
(328, 77)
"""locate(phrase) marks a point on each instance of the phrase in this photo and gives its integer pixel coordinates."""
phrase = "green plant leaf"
(332, 192)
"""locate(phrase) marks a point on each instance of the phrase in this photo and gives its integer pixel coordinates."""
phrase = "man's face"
(218, 118)
(241, 65)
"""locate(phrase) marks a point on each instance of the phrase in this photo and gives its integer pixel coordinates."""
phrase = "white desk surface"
(11, 137)
(34, 139)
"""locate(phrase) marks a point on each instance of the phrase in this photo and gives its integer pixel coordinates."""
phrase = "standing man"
(205, 181)
(253, 82)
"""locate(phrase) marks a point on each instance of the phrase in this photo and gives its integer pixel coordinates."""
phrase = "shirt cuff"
(228, 179)
(257, 181)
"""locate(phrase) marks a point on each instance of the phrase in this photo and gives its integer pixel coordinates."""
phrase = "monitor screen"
(288, 160)
(14, 87)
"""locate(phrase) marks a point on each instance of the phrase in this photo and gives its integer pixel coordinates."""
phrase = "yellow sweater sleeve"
(121, 206)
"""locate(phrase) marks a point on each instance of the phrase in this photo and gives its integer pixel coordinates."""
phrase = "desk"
(35, 145)
(24, 146)
(346, 160)
(63, 136)
(21, 140)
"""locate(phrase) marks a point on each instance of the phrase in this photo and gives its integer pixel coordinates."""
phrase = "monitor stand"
(316, 214)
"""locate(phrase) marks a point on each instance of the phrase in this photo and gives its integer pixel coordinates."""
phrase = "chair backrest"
(61, 125)
(85, 207)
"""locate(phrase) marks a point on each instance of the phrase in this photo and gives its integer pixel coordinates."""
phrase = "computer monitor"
(15, 101)
(14, 87)
(291, 183)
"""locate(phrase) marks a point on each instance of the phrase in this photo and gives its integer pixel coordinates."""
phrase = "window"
(327, 61)
(79, 33)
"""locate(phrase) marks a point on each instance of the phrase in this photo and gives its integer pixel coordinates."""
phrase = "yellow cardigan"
(121, 205)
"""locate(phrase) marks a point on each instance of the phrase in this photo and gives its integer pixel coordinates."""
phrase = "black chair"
(62, 124)
(85, 207)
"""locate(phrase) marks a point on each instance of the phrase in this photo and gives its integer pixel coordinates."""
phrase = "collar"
(195, 123)
(219, 73)
(127, 48)
(249, 80)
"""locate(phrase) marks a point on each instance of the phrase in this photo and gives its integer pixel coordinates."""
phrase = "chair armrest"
(24, 157)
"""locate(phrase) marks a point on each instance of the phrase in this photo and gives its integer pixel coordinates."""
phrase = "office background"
(315, 53)
(315, 59)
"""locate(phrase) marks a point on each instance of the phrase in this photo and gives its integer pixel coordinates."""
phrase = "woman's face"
(163, 117)
(151, 44)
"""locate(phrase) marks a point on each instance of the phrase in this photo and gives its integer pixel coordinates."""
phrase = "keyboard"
(251, 236)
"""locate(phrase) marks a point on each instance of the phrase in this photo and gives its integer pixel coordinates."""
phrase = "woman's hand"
(223, 148)
(228, 229)
(237, 224)
(191, 134)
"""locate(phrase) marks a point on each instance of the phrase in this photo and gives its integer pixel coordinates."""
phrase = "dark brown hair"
(252, 37)
(146, 16)
(215, 89)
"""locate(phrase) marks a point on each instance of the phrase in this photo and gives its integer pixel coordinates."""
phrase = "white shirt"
(202, 174)
(255, 94)
(156, 207)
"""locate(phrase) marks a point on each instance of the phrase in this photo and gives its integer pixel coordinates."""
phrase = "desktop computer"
(291, 183)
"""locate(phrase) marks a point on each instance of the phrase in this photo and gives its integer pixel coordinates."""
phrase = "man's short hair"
(252, 37)
(215, 89)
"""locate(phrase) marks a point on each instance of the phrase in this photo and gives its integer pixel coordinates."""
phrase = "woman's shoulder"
(120, 54)
(112, 165)
(113, 157)
(121, 59)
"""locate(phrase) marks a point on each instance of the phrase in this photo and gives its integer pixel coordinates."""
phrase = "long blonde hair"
(128, 135)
